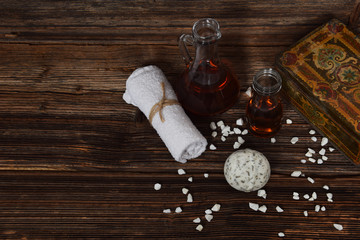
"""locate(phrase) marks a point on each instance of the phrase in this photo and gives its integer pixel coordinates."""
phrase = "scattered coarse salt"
(248, 92)
(225, 134)
(311, 199)
(331, 149)
(185, 191)
(314, 195)
(263, 209)
(317, 208)
(303, 160)
(308, 154)
(190, 179)
(212, 147)
(314, 139)
(178, 210)
(306, 196)
(181, 171)
(312, 160)
(296, 196)
(261, 193)
(338, 226)
(294, 140)
(324, 141)
(326, 187)
(197, 220)
(311, 150)
(223, 138)
(254, 206)
(322, 151)
(208, 211)
(279, 209)
(241, 140)
(199, 227)
(220, 123)
(310, 180)
(236, 145)
(306, 213)
(212, 126)
(206, 175)
(189, 198)
(216, 208)
(209, 217)
(244, 132)
(288, 121)
(325, 158)
(320, 161)
(273, 140)
(167, 210)
(237, 131)
(157, 186)
(240, 122)
(296, 173)
(312, 132)
(323, 208)
(214, 134)
(281, 234)
(329, 195)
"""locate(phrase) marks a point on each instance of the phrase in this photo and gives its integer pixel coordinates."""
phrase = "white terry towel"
(181, 137)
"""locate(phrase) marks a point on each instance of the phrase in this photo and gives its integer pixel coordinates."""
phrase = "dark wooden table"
(76, 161)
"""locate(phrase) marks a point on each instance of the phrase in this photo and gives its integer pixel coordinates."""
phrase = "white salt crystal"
(244, 132)
(254, 206)
(312, 160)
(216, 207)
(317, 208)
(312, 132)
(325, 158)
(308, 154)
(189, 198)
(338, 226)
(241, 140)
(326, 187)
(231, 132)
(178, 210)
(303, 160)
(314, 195)
(212, 147)
(226, 129)
(248, 92)
(306, 213)
(323, 208)
(220, 123)
(279, 209)
(288, 121)
(185, 191)
(306, 196)
(181, 171)
(294, 140)
(320, 161)
(214, 134)
(324, 141)
(314, 139)
(295, 197)
(199, 227)
(311, 199)
(236, 145)
(208, 211)
(272, 140)
(206, 175)
(261, 193)
(190, 179)
(167, 210)
(322, 151)
(263, 209)
(197, 220)
(237, 131)
(281, 234)
(209, 217)
(311, 150)
(225, 134)
(329, 195)
(240, 122)
(296, 173)
(310, 180)
(157, 186)
(331, 149)
(212, 126)
(223, 138)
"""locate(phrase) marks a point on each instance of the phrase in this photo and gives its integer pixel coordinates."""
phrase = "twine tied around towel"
(157, 108)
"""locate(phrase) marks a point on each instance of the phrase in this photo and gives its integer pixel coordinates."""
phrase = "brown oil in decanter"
(208, 90)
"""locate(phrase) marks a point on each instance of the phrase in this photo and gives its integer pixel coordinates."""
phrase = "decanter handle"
(185, 39)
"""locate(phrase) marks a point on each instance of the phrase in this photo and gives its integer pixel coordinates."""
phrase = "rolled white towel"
(181, 137)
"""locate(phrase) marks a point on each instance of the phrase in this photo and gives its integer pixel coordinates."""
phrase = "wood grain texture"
(75, 162)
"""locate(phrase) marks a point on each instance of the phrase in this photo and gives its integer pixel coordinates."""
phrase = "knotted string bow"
(157, 108)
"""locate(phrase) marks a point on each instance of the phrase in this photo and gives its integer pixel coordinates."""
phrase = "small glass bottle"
(264, 110)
